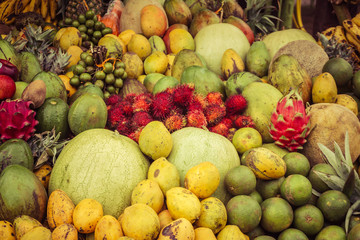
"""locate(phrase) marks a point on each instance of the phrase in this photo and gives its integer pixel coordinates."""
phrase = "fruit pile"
(181, 119)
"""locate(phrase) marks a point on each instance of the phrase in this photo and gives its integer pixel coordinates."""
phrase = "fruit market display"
(177, 119)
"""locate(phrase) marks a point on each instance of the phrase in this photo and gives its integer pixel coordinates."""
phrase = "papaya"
(258, 59)
(16, 151)
(286, 74)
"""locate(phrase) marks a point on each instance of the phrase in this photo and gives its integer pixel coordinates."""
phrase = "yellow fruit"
(126, 35)
(348, 102)
(124, 49)
(178, 229)
(164, 218)
(141, 78)
(324, 89)
(140, 222)
(74, 52)
(24, 224)
(203, 233)
(43, 174)
(108, 228)
(213, 214)
(181, 39)
(149, 193)
(69, 74)
(231, 232)
(202, 179)
(60, 209)
(70, 90)
(7, 231)
(134, 67)
(156, 62)
(164, 173)
(231, 63)
(65, 231)
(155, 140)
(139, 45)
(86, 215)
(265, 164)
(42, 233)
(182, 203)
(113, 45)
(171, 58)
(66, 37)
(246, 138)
(153, 21)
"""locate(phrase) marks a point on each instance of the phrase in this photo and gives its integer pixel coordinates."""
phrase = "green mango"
(163, 83)
(16, 151)
(238, 81)
(157, 44)
(54, 86)
(258, 59)
(30, 66)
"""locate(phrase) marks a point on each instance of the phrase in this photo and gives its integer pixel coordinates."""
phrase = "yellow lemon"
(246, 138)
(140, 45)
(156, 62)
(86, 215)
(74, 52)
(126, 35)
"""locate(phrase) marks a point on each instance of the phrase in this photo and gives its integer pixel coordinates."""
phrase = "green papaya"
(286, 74)
(238, 81)
(258, 59)
(30, 66)
(16, 151)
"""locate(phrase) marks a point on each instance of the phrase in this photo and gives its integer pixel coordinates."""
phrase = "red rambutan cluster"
(177, 108)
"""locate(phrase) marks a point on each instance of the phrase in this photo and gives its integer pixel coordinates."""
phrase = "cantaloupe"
(101, 165)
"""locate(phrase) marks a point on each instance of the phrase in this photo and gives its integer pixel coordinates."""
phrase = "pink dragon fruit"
(290, 124)
(17, 120)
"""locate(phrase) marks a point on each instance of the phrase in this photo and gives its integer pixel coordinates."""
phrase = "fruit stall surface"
(179, 119)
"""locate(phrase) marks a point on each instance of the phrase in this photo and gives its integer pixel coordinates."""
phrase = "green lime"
(99, 83)
(108, 67)
(90, 69)
(95, 18)
(87, 84)
(90, 23)
(106, 94)
(89, 60)
(84, 36)
(106, 30)
(89, 14)
(356, 83)
(75, 81)
(109, 79)
(110, 89)
(98, 26)
(82, 28)
(85, 77)
(94, 40)
(246, 138)
(79, 69)
(90, 31)
(61, 24)
(340, 69)
(119, 64)
(68, 21)
(124, 76)
(82, 63)
(118, 72)
(118, 82)
(83, 55)
(75, 23)
(97, 34)
(81, 18)
(100, 75)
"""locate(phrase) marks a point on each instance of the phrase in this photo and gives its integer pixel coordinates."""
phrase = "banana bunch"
(10, 8)
(352, 28)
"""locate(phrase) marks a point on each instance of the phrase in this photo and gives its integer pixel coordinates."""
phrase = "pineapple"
(72, 8)
(259, 17)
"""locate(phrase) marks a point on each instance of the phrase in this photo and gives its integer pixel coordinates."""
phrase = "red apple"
(7, 87)
(166, 38)
(243, 26)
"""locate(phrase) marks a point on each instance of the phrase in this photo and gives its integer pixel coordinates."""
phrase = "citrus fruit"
(308, 219)
(277, 214)
(296, 163)
(292, 233)
(315, 180)
(340, 69)
(140, 45)
(296, 189)
(240, 180)
(246, 138)
(156, 62)
(334, 205)
(332, 232)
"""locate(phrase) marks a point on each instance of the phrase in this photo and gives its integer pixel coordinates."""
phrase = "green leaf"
(348, 215)
(349, 185)
(344, 170)
(331, 158)
(347, 151)
(332, 181)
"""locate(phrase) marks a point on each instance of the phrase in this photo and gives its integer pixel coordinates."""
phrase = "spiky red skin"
(126, 107)
(175, 122)
(228, 122)
(17, 120)
(214, 98)
(124, 127)
(140, 119)
(241, 121)
(162, 105)
(220, 128)
(196, 118)
(235, 104)
(289, 123)
(214, 113)
(183, 94)
(115, 115)
(198, 102)
(113, 99)
(142, 102)
(130, 97)
(135, 135)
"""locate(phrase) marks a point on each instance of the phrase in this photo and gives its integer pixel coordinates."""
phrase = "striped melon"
(192, 146)
(102, 165)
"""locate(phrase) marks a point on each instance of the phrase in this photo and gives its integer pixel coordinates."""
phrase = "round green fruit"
(277, 214)
(308, 219)
(296, 189)
(334, 205)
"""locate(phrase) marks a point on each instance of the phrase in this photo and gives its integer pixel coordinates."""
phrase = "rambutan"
(214, 113)
(126, 107)
(214, 98)
(227, 121)
(243, 121)
(198, 102)
(142, 102)
(124, 127)
(140, 119)
(134, 135)
(130, 97)
(175, 122)
(183, 94)
(231, 133)
(220, 128)
(235, 104)
(196, 118)
(162, 105)
(113, 99)
(115, 115)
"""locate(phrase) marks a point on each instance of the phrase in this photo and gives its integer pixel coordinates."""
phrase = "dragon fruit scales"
(17, 120)
(289, 123)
